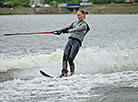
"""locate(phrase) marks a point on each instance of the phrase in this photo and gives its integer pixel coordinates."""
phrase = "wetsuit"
(78, 31)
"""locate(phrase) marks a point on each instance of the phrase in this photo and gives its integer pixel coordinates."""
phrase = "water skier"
(78, 31)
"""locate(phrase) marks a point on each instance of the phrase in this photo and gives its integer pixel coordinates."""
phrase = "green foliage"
(54, 3)
(16, 3)
(61, 1)
(106, 1)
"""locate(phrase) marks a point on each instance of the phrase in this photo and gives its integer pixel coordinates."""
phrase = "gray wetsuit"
(78, 31)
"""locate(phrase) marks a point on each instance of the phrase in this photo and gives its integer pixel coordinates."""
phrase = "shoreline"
(92, 10)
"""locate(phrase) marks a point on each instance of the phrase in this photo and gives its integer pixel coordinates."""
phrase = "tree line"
(26, 3)
(14, 3)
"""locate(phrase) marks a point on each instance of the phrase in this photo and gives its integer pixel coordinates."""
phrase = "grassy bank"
(113, 9)
(13, 13)
(94, 9)
(110, 5)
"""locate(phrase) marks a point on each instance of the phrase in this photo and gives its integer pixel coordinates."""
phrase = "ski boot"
(72, 68)
(64, 73)
(71, 73)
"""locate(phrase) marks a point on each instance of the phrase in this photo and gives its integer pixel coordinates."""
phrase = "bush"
(17, 3)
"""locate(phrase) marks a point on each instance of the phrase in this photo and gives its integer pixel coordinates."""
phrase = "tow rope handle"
(35, 33)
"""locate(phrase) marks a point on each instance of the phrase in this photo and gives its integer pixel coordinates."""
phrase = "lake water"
(106, 63)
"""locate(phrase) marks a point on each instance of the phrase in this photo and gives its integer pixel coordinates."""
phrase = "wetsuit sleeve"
(70, 26)
(78, 28)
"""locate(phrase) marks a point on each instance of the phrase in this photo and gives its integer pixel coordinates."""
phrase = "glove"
(64, 30)
(57, 32)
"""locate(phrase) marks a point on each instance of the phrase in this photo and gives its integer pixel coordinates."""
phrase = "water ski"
(45, 74)
(49, 76)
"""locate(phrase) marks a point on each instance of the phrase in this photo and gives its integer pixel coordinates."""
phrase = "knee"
(70, 60)
(65, 57)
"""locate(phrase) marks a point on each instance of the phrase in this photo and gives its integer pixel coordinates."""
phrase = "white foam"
(47, 61)
(88, 61)
(77, 87)
(103, 61)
